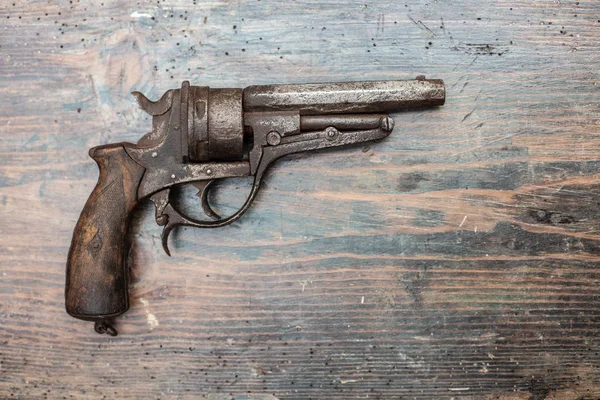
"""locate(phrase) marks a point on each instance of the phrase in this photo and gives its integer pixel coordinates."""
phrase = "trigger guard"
(170, 218)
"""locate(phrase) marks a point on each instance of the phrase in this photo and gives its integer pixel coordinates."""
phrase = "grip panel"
(97, 276)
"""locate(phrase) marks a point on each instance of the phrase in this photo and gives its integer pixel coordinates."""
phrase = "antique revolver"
(200, 135)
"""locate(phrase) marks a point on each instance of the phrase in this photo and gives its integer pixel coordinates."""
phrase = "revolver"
(200, 135)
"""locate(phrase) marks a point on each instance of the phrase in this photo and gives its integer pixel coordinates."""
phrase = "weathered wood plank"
(456, 259)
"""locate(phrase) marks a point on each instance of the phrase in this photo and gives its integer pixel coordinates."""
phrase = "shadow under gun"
(200, 135)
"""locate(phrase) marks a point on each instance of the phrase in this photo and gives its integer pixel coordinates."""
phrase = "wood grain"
(458, 258)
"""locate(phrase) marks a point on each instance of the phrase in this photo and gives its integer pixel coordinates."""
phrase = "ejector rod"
(342, 122)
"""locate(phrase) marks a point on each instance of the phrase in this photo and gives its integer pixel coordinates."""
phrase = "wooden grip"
(97, 276)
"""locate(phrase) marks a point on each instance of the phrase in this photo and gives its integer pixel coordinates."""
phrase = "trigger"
(203, 189)
(161, 201)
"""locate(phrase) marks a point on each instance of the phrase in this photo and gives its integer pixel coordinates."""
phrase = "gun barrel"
(346, 97)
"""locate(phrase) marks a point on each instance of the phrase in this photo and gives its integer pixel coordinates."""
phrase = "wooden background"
(456, 259)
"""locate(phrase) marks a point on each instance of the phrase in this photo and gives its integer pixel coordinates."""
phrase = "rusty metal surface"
(198, 136)
(225, 124)
(341, 121)
(346, 97)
